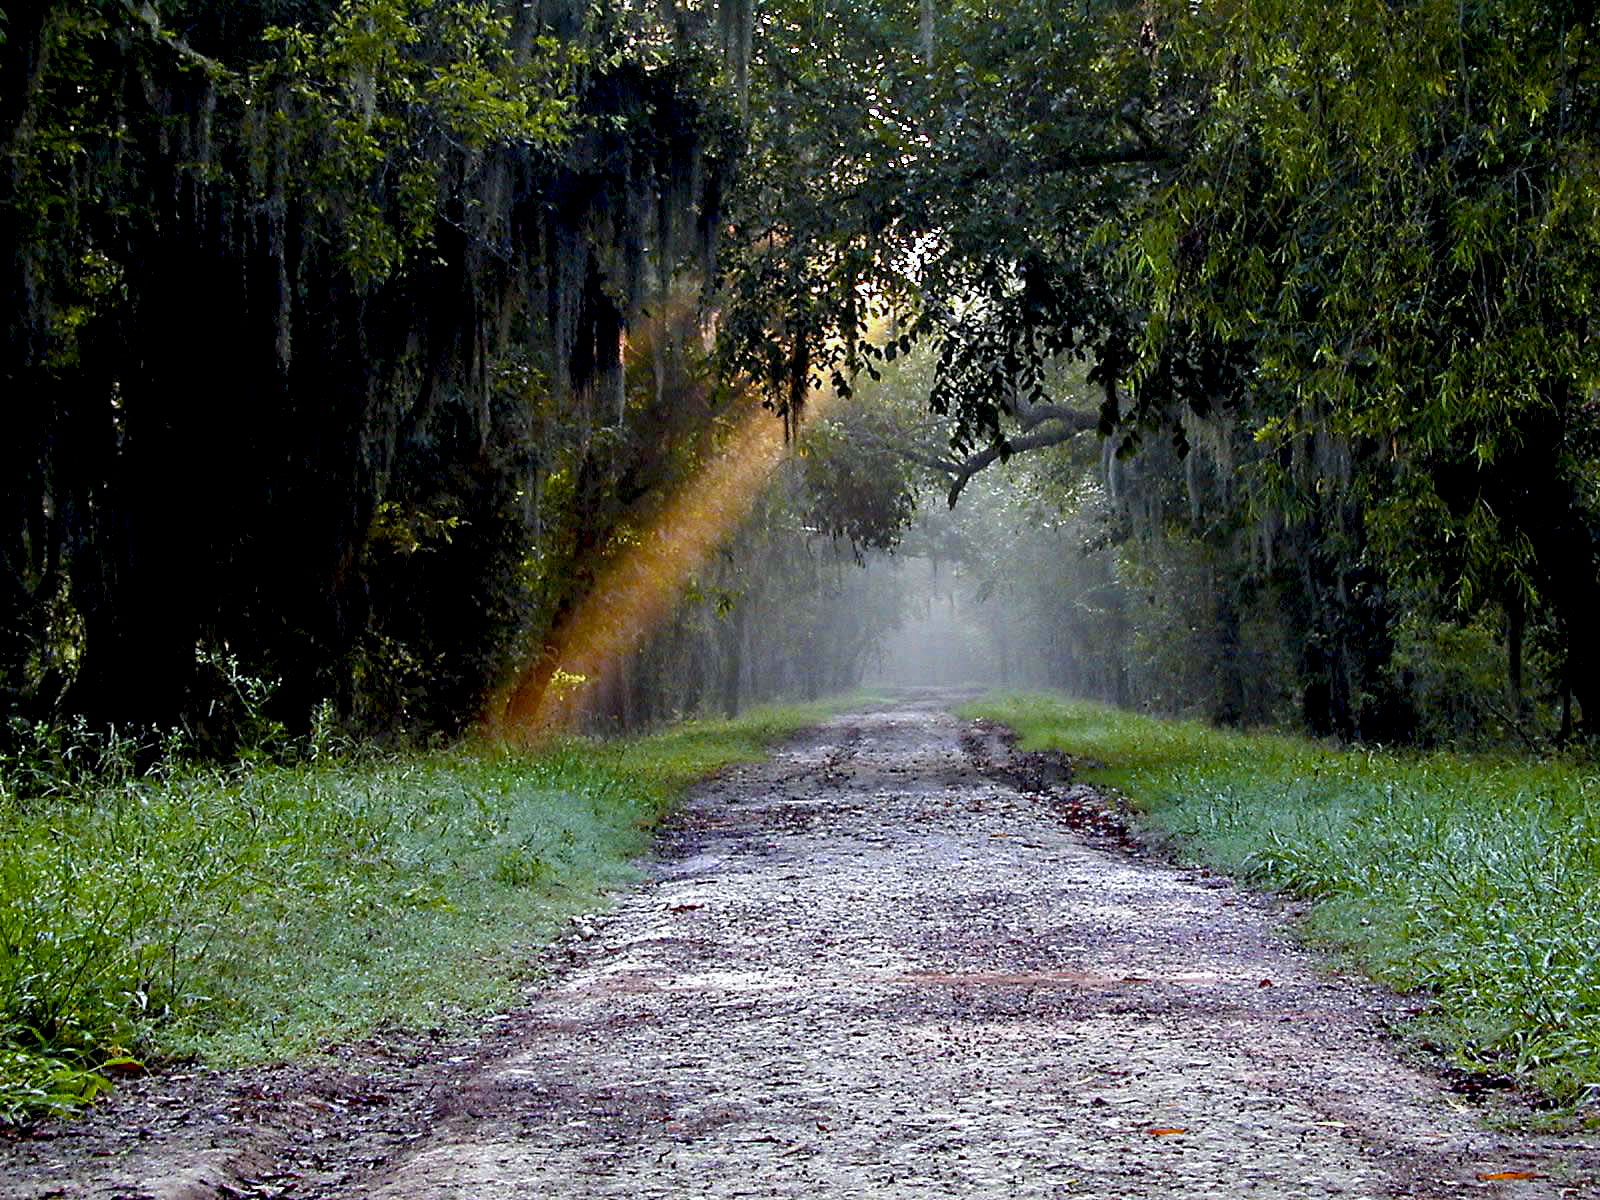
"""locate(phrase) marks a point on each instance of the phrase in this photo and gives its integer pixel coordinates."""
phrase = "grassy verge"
(253, 915)
(1475, 882)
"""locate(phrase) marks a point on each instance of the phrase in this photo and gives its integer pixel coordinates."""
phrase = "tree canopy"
(1343, 256)
(310, 309)
(353, 336)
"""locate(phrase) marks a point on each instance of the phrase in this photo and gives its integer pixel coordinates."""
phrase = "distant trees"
(783, 611)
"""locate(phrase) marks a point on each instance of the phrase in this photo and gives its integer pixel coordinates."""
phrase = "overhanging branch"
(1066, 424)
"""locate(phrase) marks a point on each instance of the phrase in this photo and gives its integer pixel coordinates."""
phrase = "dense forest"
(1235, 359)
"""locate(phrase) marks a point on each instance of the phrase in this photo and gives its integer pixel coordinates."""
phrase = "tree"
(959, 197)
(1393, 210)
(309, 301)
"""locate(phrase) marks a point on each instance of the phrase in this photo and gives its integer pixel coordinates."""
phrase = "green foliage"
(953, 186)
(859, 487)
(380, 88)
(252, 914)
(1454, 674)
(1392, 213)
(1470, 880)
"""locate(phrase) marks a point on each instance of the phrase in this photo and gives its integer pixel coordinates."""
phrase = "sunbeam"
(638, 590)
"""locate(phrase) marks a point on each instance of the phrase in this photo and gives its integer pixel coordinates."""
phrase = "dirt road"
(875, 967)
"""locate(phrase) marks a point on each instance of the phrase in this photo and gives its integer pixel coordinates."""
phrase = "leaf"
(1489, 1176)
(1166, 1132)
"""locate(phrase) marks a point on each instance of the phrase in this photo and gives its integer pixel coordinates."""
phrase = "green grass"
(1470, 880)
(255, 915)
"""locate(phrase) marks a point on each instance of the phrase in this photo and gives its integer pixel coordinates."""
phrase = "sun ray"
(638, 590)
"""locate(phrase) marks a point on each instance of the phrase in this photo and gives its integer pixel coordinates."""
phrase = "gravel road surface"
(893, 961)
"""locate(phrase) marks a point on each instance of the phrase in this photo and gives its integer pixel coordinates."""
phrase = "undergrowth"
(1472, 881)
(258, 912)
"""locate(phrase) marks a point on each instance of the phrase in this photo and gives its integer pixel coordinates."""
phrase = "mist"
(945, 637)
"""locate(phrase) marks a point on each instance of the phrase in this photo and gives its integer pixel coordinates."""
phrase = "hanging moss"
(289, 338)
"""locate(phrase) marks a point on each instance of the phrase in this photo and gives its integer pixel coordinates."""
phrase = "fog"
(1004, 590)
(942, 639)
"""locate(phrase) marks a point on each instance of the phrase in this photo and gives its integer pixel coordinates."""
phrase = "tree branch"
(1069, 423)
(1061, 423)
(1037, 414)
(145, 16)
(1121, 156)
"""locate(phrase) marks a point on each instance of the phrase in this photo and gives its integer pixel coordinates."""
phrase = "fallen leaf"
(1265, 983)
(1488, 1176)
(1165, 1132)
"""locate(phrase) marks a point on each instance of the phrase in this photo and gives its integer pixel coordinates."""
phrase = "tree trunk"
(1228, 702)
(733, 659)
(1516, 621)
